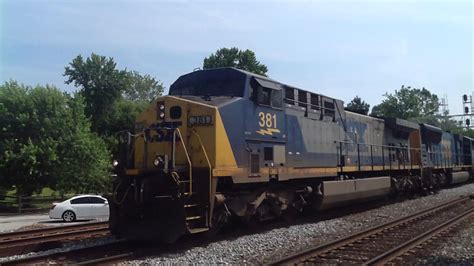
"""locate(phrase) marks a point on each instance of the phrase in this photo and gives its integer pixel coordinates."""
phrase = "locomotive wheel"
(113, 219)
(437, 181)
(290, 214)
(442, 179)
(261, 215)
(220, 218)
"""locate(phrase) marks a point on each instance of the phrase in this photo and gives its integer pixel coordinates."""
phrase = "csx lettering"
(267, 120)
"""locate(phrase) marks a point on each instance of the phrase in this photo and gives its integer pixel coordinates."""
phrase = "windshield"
(217, 82)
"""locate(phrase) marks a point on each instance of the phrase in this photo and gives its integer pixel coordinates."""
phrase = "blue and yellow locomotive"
(226, 142)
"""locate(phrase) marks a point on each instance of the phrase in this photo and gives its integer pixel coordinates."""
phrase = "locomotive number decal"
(266, 119)
(267, 123)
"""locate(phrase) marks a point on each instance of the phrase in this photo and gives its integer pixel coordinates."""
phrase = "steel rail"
(413, 243)
(33, 232)
(16, 242)
(65, 256)
(108, 259)
(323, 248)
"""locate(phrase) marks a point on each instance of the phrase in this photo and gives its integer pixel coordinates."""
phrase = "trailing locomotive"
(226, 142)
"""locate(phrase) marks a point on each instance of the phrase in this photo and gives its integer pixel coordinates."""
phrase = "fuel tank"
(337, 193)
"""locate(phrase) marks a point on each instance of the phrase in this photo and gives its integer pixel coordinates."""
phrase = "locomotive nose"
(160, 202)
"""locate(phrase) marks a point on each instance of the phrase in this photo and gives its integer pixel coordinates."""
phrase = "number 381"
(267, 119)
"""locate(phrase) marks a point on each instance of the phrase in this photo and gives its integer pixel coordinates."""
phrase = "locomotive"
(226, 142)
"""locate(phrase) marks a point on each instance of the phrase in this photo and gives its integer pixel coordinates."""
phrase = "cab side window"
(264, 95)
(277, 100)
(270, 94)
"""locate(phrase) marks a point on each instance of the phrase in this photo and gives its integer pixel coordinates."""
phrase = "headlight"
(115, 163)
(160, 110)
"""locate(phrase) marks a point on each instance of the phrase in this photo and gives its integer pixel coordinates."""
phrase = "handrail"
(208, 161)
(187, 157)
(437, 158)
(376, 145)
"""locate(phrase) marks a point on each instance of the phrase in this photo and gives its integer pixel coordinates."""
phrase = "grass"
(41, 200)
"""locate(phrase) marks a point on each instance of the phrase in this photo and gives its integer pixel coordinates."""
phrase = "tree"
(143, 88)
(121, 117)
(357, 105)
(420, 106)
(468, 132)
(101, 84)
(82, 146)
(106, 89)
(233, 57)
(45, 139)
(408, 103)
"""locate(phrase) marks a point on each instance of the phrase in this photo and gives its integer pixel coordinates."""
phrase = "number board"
(203, 120)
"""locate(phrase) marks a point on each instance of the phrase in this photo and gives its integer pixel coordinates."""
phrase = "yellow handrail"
(208, 162)
(189, 161)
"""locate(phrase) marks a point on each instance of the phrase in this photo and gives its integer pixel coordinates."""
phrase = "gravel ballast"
(457, 249)
(276, 243)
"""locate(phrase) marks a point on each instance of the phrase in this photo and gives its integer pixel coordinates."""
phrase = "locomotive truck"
(226, 142)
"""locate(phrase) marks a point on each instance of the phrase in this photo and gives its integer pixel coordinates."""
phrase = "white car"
(80, 207)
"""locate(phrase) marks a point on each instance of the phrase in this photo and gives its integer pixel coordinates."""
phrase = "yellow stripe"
(378, 168)
(228, 171)
(312, 170)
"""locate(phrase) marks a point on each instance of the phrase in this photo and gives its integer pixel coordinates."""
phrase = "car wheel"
(69, 216)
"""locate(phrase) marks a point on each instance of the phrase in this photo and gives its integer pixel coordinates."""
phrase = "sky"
(337, 48)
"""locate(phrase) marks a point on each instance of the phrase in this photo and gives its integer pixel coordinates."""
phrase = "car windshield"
(210, 83)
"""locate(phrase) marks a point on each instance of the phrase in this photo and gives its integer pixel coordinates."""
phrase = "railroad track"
(108, 253)
(26, 241)
(388, 242)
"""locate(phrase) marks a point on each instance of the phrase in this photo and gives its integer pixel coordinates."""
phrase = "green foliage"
(121, 117)
(101, 84)
(45, 134)
(143, 88)
(233, 57)
(420, 106)
(468, 132)
(45, 140)
(408, 103)
(113, 97)
(123, 113)
(357, 105)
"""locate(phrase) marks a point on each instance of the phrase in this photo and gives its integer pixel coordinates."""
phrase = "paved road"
(9, 222)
